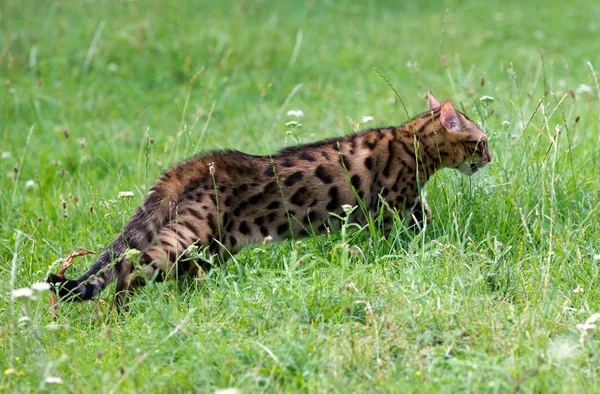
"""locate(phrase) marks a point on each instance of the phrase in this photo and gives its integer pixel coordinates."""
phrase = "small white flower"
(229, 390)
(6, 155)
(30, 184)
(583, 88)
(53, 380)
(296, 113)
(587, 326)
(412, 64)
(23, 294)
(486, 100)
(597, 257)
(366, 119)
(506, 124)
(348, 208)
(125, 195)
(293, 123)
(578, 290)
(40, 286)
(538, 35)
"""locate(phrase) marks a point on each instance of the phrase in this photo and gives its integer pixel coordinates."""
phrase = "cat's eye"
(472, 149)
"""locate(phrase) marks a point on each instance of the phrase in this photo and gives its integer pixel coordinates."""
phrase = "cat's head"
(465, 145)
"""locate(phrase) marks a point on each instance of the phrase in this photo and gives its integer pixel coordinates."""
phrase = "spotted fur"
(224, 200)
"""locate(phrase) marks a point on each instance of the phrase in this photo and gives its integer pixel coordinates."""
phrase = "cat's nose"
(488, 157)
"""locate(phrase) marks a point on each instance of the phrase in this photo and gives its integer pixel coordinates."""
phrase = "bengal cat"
(221, 201)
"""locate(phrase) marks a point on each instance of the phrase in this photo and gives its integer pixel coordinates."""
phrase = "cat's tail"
(139, 232)
(97, 277)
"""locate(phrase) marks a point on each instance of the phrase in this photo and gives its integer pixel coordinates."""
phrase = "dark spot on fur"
(368, 144)
(335, 200)
(272, 217)
(195, 214)
(369, 163)
(273, 205)
(270, 188)
(307, 156)
(295, 177)
(355, 180)
(300, 196)
(244, 229)
(321, 173)
(344, 159)
(255, 199)
(390, 158)
(282, 228)
(212, 223)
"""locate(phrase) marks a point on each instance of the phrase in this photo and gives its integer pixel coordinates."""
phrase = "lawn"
(99, 97)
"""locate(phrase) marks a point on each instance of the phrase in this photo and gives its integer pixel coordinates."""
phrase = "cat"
(223, 200)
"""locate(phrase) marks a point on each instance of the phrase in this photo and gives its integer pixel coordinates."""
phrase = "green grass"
(484, 300)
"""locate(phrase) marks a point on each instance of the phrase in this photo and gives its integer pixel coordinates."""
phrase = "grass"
(487, 299)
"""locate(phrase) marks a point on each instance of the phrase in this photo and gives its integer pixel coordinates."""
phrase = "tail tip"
(67, 289)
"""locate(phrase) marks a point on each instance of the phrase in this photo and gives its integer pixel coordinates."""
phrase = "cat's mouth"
(474, 168)
(471, 168)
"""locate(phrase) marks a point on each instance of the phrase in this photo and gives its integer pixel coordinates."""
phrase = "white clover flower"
(40, 286)
(30, 184)
(296, 113)
(506, 124)
(293, 123)
(6, 155)
(597, 257)
(23, 294)
(53, 380)
(583, 88)
(366, 119)
(486, 100)
(125, 195)
(578, 290)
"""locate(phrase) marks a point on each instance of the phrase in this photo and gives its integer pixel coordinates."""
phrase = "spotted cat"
(224, 200)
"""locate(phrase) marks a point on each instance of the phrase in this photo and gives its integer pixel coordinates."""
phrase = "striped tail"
(139, 232)
(91, 283)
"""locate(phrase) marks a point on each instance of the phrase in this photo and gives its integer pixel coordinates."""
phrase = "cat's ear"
(450, 117)
(433, 103)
